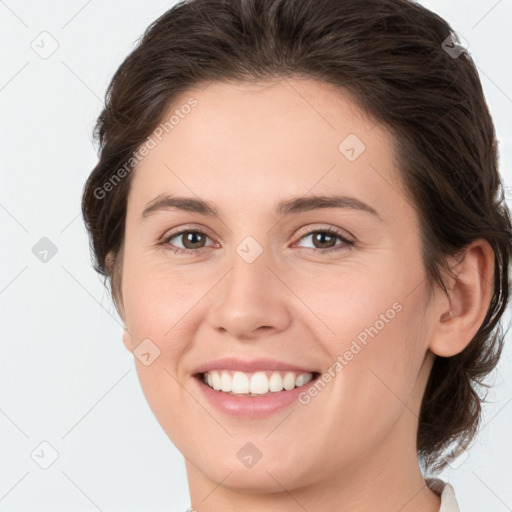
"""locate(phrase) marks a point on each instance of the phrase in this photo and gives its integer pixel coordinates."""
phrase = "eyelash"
(330, 231)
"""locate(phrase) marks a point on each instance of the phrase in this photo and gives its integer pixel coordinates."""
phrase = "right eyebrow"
(187, 204)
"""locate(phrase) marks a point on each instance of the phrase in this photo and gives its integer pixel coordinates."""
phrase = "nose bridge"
(250, 278)
(250, 296)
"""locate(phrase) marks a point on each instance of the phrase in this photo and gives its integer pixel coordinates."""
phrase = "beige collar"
(446, 492)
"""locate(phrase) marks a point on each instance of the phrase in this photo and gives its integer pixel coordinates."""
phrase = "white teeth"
(301, 380)
(240, 383)
(216, 384)
(226, 383)
(275, 382)
(258, 383)
(289, 381)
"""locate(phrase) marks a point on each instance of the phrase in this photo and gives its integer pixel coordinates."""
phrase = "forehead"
(242, 142)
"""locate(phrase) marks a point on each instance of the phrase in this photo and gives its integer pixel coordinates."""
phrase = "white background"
(66, 377)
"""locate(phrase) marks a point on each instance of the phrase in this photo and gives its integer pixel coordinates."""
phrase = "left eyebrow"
(286, 207)
(317, 202)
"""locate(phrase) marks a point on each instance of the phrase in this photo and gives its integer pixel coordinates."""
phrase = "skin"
(245, 147)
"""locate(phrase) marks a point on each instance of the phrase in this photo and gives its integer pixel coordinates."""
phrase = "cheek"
(379, 341)
(157, 297)
(157, 306)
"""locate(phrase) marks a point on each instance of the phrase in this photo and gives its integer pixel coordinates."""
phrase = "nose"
(251, 301)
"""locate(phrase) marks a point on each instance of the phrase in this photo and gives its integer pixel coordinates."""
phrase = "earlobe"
(459, 317)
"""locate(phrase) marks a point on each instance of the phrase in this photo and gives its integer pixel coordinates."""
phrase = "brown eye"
(324, 240)
(191, 240)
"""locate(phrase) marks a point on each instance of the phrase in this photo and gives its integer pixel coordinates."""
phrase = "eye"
(192, 241)
(324, 240)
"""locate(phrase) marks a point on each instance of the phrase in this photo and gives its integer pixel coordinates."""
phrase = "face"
(334, 289)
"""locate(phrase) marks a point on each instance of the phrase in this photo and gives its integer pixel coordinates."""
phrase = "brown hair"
(391, 55)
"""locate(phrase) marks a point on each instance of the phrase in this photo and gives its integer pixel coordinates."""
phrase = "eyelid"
(342, 233)
(302, 231)
(171, 233)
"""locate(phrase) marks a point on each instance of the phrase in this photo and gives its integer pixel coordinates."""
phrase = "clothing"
(446, 492)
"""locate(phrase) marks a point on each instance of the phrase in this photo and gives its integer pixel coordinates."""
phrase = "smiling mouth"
(259, 383)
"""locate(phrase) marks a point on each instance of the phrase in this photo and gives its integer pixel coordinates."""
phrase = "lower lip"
(251, 406)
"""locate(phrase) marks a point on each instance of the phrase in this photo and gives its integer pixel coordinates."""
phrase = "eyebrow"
(285, 207)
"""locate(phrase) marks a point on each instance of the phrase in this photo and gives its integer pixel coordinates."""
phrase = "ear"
(458, 318)
(127, 340)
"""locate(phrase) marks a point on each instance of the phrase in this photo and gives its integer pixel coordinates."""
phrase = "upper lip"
(252, 365)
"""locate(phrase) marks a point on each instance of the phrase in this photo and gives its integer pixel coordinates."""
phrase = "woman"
(298, 209)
